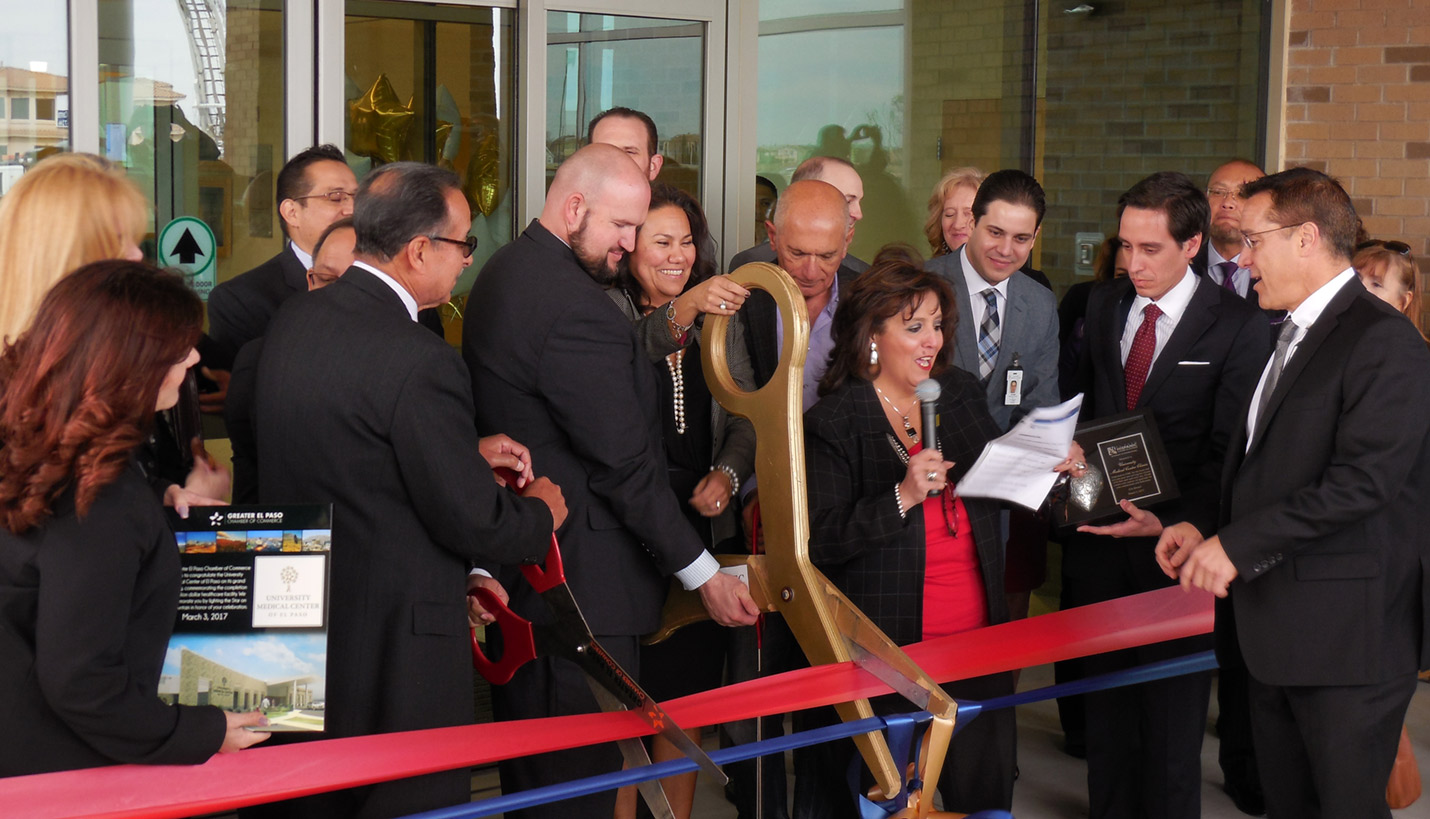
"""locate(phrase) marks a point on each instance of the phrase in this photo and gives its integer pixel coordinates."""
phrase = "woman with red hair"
(89, 570)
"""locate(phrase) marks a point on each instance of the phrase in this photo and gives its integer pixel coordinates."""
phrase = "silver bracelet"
(681, 329)
(730, 473)
(899, 501)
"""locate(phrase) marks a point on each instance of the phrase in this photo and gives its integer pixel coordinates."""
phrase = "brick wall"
(1358, 108)
(1137, 87)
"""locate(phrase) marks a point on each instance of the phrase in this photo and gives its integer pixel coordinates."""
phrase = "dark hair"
(815, 167)
(1176, 197)
(293, 178)
(1300, 195)
(891, 286)
(767, 182)
(1014, 187)
(78, 388)
(1104, 267)
(663, 195)
(399, 202)
(628, 113)
(898, 251)
(345, 223)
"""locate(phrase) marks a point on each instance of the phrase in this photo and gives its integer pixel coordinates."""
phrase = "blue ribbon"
(902, 725)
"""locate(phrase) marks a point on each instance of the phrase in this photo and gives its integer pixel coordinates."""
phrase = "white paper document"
(1018, 466)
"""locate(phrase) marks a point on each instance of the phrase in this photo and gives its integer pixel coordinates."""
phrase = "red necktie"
(1139, 360)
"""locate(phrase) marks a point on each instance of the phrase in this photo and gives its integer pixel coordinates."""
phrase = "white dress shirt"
(976, 284)
(1241, 279)
(401, 291)
(1172, 304)
(1303, 317)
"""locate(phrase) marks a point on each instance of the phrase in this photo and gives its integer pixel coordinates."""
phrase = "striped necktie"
(989, 334)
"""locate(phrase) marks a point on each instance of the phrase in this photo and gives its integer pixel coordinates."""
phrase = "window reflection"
(197, 144)
(34, 85)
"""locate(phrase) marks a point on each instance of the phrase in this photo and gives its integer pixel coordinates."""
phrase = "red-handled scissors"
(569, 637)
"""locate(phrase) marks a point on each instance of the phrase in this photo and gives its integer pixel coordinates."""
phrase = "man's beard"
(1224, 235)
(593, 263)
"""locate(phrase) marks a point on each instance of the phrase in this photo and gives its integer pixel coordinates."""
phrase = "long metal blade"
(634, 753)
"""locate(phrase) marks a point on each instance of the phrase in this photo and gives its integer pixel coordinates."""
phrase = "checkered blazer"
(856, 535)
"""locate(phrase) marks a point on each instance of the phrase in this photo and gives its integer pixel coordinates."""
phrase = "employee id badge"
(1013, 384)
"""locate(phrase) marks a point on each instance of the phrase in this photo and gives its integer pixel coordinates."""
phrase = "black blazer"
(856, 535)
(756, 321)
(1197, 389)
(555, 364)
(359, 406)
(240, 308)
(86, 610)
(1324, 515)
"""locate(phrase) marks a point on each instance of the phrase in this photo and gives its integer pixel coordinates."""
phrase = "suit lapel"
(1110, 346)
(1200, 315)
(1014, 318)
(1329, 319)
(965, 347)
(294, 274)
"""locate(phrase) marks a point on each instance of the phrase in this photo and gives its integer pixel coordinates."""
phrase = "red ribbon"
(261, 774)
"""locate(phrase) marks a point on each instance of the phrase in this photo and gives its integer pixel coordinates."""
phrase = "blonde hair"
(67, 211)
(1380, 262)
(933, 225)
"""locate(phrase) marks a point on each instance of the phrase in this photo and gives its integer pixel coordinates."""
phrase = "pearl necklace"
(908, 428)
(677, 378)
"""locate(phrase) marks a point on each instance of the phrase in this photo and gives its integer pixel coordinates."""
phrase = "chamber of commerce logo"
(216, 518)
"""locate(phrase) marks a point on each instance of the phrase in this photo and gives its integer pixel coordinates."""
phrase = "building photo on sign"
(252, 624)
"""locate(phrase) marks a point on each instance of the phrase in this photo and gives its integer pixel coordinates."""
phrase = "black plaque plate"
(1128, 451)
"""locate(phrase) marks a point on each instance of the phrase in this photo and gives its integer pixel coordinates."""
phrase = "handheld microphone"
(928, 392)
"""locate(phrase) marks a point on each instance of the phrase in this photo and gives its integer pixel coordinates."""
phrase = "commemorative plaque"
(1125, 459)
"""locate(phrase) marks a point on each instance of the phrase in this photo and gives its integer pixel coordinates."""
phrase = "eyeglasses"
(337, 197)
(1250, 245)
(1393, 246)
(468, 245)
(1220, 193)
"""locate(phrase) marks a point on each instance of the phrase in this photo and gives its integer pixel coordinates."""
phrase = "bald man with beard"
(555, 363)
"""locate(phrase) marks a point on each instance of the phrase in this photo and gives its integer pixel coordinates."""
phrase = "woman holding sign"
(89, 570)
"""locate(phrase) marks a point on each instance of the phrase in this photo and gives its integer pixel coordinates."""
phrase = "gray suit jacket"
(1030, 331)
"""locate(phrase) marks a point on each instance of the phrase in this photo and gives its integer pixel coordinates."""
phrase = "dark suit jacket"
(238, 419)
(86, 610)
(856, 535)
(359, 406)
(554, 363)
(240, 308)
(1324, 515)
(754, 329)
(1197, 389)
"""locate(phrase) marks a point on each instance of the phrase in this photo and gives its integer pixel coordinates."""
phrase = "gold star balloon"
(380, 123)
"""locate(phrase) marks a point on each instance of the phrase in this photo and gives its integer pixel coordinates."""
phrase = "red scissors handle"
(518, 640)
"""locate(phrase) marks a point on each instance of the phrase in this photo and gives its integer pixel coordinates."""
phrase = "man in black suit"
(837, 172)
(1170, 341)
(314, 189)
(361, 407)
(1322, 544)
(555, 362)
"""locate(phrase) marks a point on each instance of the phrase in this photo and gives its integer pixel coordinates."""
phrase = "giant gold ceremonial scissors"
(568, 637)
(829, 628)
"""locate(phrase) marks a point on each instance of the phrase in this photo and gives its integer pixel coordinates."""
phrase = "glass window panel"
(436, 84)
(1088, 103)
(34, 60)
(197, 144)
(598, 61)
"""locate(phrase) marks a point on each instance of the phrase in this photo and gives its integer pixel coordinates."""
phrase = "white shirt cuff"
(699, 572)
(480, 572)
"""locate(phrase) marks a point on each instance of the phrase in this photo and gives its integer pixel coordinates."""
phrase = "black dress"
(692, 659)
(87, 607)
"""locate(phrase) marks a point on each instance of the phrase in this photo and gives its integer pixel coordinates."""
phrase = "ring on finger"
(722, 306)
(1080, 465)
(932, 476)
